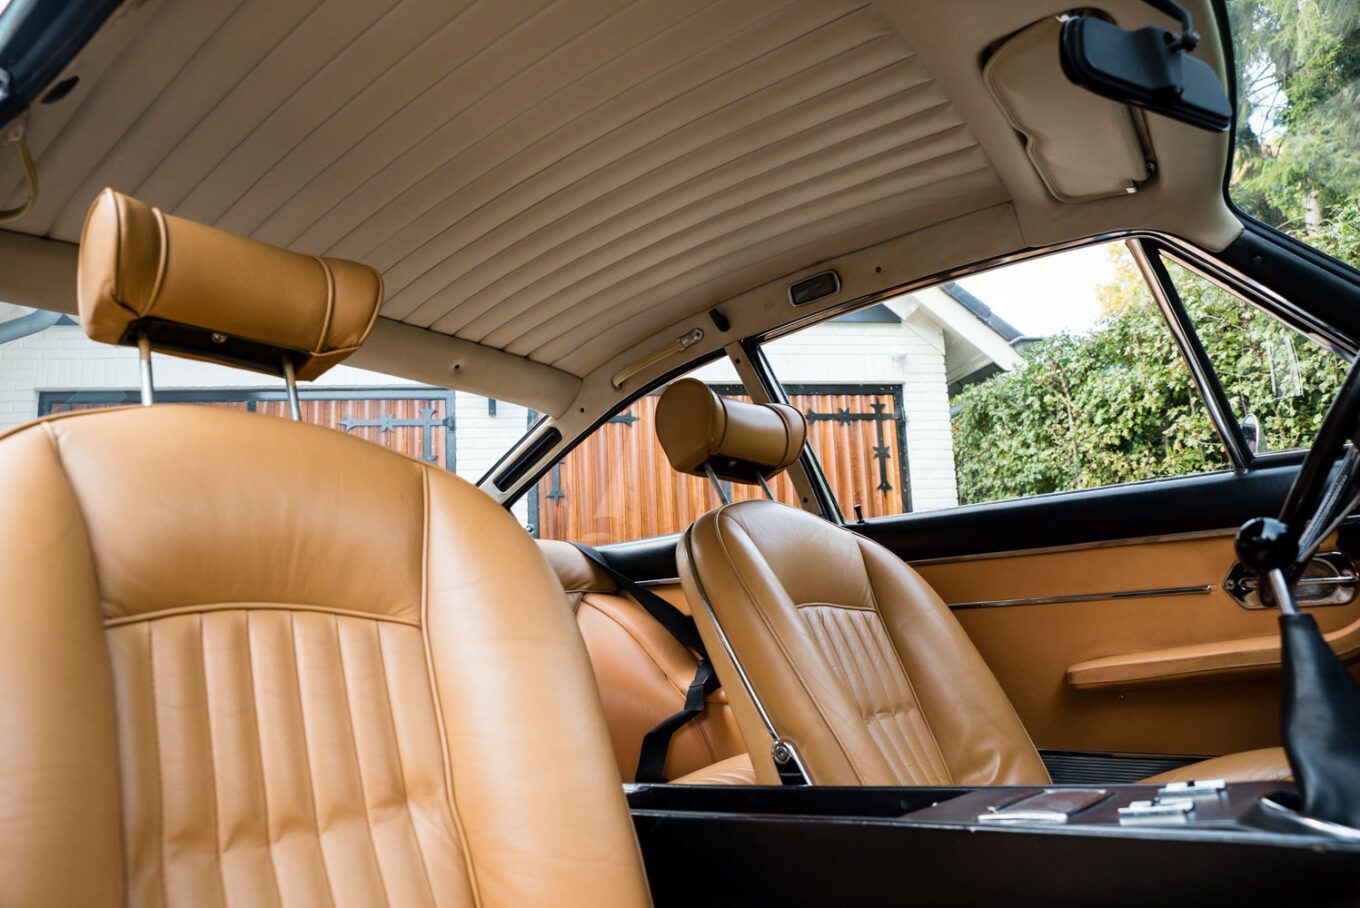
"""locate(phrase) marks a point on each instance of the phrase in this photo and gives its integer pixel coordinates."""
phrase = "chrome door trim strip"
(1075, 547)
(1198, 590)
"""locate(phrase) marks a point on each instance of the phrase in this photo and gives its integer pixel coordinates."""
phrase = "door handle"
(1329, 579)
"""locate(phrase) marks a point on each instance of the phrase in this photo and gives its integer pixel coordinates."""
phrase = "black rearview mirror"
(1149, 68)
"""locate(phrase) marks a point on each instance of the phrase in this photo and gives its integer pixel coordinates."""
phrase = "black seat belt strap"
(656, 743)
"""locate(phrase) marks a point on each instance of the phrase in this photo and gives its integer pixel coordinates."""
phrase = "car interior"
(730, 614)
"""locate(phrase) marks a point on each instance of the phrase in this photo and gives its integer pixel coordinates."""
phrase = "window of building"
(1050, 375)
(617, 485)
(1278, 381)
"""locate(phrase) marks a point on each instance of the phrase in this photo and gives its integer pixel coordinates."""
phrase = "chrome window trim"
(1192, 352)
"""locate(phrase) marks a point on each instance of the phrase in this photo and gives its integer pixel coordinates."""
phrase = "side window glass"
(1050, 375)
(618, 486)
(1278, 380)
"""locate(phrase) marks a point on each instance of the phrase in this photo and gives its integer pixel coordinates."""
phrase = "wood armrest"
(1201, 661)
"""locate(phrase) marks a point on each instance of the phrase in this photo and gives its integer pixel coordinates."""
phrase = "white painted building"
(922, 342)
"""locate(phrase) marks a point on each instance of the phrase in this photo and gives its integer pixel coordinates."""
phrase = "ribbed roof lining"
(560, 181)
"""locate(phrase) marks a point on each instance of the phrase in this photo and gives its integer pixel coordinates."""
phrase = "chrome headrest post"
(290, 379)
(717, 485)
(765, 485)
(148, 381)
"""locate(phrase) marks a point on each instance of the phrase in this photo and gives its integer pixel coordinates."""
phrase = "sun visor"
(1082, 145)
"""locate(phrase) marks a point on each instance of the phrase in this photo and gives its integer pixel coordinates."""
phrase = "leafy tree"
(1117, 404)
(1296, 154)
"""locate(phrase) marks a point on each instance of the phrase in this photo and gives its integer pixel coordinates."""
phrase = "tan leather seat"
(260, 662)
(849, 658)
(642, 673)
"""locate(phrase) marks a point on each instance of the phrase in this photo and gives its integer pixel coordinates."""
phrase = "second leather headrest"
(204, 293)
(740, 441)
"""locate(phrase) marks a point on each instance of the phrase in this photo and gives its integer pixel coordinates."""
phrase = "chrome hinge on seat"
(787, 763)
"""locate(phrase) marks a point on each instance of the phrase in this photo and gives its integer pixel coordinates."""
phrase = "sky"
(1047, 295)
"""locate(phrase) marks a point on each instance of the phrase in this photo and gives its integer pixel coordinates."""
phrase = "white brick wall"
(910, 354)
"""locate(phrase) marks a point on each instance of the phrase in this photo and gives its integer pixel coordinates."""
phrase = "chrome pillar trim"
(290, 379)
(717, 485)
(1210, 392)
(148, 380)
(1199, 590)
(727, 644)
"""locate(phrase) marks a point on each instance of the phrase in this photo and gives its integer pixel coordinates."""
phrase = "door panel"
(1034, 649)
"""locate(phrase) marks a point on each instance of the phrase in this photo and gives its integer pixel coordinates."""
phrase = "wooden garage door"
(617, 484)
(417, 422)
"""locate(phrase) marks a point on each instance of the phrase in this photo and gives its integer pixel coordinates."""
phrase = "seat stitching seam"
(259, 750)
(156, 746)
(200, 608)
(307, 759)
(464, 845)
(354, 754)
(401, 763)
(946, 774)
(909, 752)
(212, 761)
(890, 750)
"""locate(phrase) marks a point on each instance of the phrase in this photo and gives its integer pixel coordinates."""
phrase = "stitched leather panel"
(310, 740)
(251, 661)
(855, 643)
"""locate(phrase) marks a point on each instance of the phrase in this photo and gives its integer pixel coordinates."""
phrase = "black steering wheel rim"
(1317, 486)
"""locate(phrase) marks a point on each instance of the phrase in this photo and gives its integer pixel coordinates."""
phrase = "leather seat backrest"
(642, 671)
(847, 656)
(253, 661)
(855, 659)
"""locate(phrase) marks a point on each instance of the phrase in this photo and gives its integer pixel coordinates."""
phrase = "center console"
(1146, 845)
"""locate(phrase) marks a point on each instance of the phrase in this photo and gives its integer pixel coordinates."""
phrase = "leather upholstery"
(732, 771)
(139, 263)
(857, 662)
(1269, 764)
(853, 656)
(739, 440)
(643, 673)
(253, 661)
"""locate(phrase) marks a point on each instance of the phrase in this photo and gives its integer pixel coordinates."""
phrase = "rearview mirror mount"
(1148, 67)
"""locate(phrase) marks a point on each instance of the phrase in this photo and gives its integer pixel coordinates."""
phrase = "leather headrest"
(740, 441)
(207, 294)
